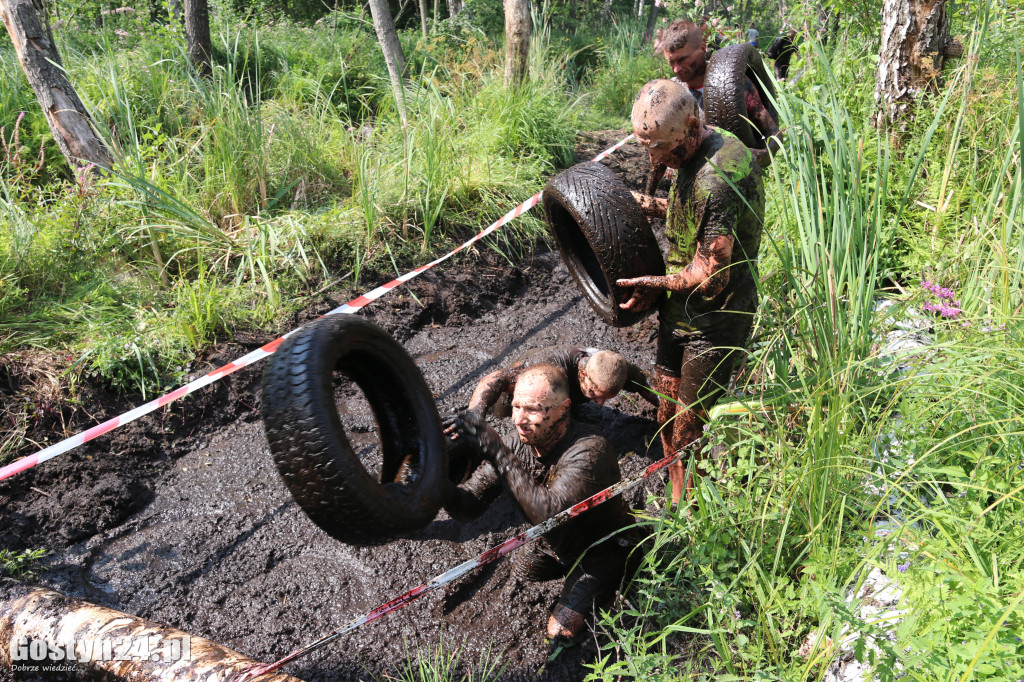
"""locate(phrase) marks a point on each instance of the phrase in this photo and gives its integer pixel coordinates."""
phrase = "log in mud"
(41, 630)
(181, 517)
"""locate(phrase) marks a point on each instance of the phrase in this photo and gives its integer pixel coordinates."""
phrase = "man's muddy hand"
(448, 422)
(472, 427)
(645, 292)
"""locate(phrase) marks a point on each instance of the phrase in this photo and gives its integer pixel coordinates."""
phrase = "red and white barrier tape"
(260, 353)
(462, 569)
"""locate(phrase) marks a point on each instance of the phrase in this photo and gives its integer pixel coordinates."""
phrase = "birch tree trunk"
(652, 21)
(915, 45)
(517, 40)
(423, 16)
(197, 35)
(65, 113)
(387, 36)
(454, 7)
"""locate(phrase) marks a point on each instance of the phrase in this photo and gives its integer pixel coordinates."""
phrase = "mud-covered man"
(713, 221)
(685, 47)
(550, 464)
(593, 375)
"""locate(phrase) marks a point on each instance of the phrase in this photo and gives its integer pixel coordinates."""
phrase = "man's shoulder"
(731, 161)
(584, 437)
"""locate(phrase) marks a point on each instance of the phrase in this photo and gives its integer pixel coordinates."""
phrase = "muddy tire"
(725, 103)
(602, 237)
(312, 452)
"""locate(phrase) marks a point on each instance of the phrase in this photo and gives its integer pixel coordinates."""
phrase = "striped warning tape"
(260, 353)
(465, 567)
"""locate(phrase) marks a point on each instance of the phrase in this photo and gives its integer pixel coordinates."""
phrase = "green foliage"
(20, 565)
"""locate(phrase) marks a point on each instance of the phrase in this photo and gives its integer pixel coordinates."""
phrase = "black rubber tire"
(602, 236)
(312, 452)
(725, 103)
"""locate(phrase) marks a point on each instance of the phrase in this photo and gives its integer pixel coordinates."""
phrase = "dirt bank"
(181, 517)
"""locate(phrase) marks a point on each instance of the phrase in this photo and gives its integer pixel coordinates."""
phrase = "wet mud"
(181, 517)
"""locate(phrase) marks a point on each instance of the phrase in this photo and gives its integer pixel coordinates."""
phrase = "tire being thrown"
(314, 455)
(602, 236)
(725, 102)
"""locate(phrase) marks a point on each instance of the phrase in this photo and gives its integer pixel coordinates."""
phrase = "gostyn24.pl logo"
(128, 648)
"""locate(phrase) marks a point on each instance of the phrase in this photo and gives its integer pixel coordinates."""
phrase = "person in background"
(782, 50)
(751, 35)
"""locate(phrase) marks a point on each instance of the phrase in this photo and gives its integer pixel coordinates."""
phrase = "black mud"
(181, 518)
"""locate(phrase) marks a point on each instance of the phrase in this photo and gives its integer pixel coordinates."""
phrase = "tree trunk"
(652, 21)
(437, 14)
(69, 121)
(915, 46)
(517, 40)
(423, 16)
(454, 7)
(197, 35)
(387, 36)
(606, 11)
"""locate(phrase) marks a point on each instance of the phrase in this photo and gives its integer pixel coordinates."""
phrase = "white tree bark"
(915, 46)
(423, 16)
(517, 40)
(454, 7)
(65, 113)
(387, 36)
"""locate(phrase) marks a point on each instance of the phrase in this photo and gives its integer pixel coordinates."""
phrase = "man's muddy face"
(668, 152)
(537, 414)
(687, 62)
(592, 391)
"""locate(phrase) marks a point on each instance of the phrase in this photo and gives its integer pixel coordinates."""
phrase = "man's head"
(666, 121)
(540, 406)
(685, 50)
(603, 376)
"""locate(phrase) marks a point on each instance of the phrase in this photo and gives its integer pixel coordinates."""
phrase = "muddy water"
(212, 543)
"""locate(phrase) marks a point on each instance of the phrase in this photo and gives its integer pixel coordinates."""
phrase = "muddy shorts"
(704, 356)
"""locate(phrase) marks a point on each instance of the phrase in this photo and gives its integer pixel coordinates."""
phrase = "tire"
(725, 104)
(602, 236)
(314, 455)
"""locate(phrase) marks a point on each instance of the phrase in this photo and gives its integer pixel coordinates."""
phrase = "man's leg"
(706, 369)
(592, 582)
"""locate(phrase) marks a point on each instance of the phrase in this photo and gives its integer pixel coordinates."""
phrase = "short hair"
(607, 370)
(680, 33)
(661, 105)
(555, 378)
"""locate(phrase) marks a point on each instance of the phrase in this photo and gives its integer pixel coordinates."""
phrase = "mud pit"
(181, 517)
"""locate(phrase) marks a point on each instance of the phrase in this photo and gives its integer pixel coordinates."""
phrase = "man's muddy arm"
(490, 389)
(636, 382)
(650, 205)
(654, 178)
(573, 481)
(706, 275)
(471, 499)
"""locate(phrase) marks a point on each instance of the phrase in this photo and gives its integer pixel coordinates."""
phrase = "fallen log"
(44, 631)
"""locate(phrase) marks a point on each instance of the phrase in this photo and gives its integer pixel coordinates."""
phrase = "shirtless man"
(550, 464)
(713, 221)
(597, 375)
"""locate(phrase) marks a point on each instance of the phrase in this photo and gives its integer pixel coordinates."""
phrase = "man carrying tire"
(685, 47)
(713, 221)
(593, 375)
(551, 464)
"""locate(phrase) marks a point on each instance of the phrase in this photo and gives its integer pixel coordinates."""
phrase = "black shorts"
(704, 357)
